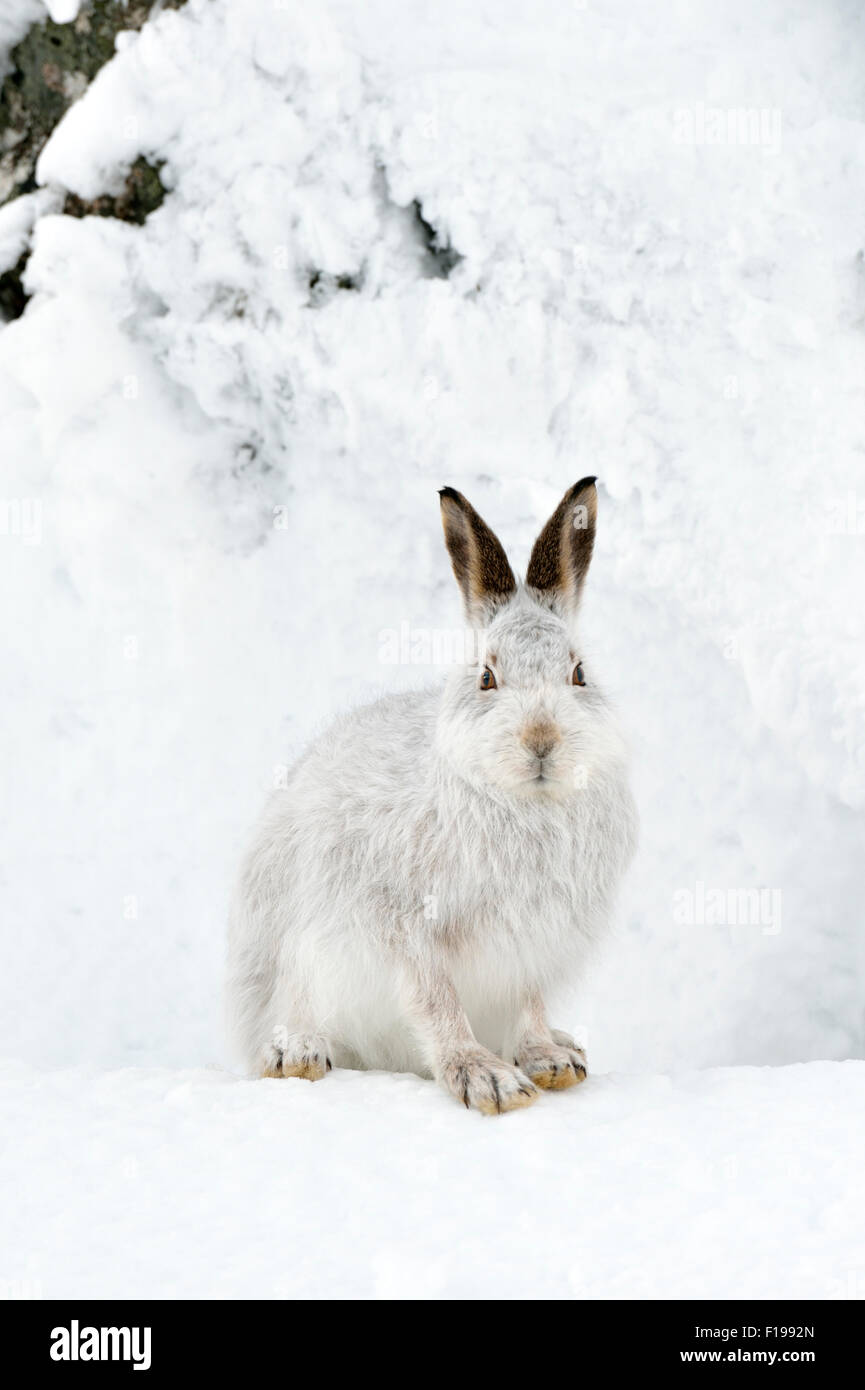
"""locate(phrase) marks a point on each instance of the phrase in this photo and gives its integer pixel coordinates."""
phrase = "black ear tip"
(584, 482)
(449, 492)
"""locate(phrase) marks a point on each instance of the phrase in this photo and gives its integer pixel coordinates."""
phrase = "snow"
(16, 16)
(17, 220)
(62, 11)
(740, 1182)
(219, 490)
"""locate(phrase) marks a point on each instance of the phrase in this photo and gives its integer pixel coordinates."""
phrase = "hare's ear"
(480, 564)
(561, 554)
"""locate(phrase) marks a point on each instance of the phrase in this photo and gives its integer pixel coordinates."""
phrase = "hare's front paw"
(481, 1079)
(297, 1054)
(553, 1066)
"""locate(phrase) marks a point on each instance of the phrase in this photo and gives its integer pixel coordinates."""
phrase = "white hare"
(440, 861)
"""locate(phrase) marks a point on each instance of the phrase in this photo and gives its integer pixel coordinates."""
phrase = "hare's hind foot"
(482, 1081)
(553, 1066)
(305, 1055)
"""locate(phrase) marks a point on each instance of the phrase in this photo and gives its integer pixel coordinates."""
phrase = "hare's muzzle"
(540, 738)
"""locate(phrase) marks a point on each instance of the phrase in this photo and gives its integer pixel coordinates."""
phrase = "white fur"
(414, 892)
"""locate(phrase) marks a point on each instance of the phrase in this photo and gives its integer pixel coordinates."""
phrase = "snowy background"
(498, 247)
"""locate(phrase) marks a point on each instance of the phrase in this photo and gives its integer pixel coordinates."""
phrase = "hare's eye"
(488, 680)
(579, 675)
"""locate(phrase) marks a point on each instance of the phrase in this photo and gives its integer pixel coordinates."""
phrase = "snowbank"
(731, 1183)
(498, 248)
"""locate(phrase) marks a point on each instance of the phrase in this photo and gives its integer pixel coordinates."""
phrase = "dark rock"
(323, 286)
(50, 68)
(142, 193)
(13, 296)
(441, 257)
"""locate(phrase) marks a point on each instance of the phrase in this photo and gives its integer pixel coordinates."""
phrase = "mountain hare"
(440, 861)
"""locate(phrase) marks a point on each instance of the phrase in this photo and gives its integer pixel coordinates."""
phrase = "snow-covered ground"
(219, 474)
(739, 1182)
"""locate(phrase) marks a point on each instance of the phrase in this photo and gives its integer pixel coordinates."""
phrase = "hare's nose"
(540, 738)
